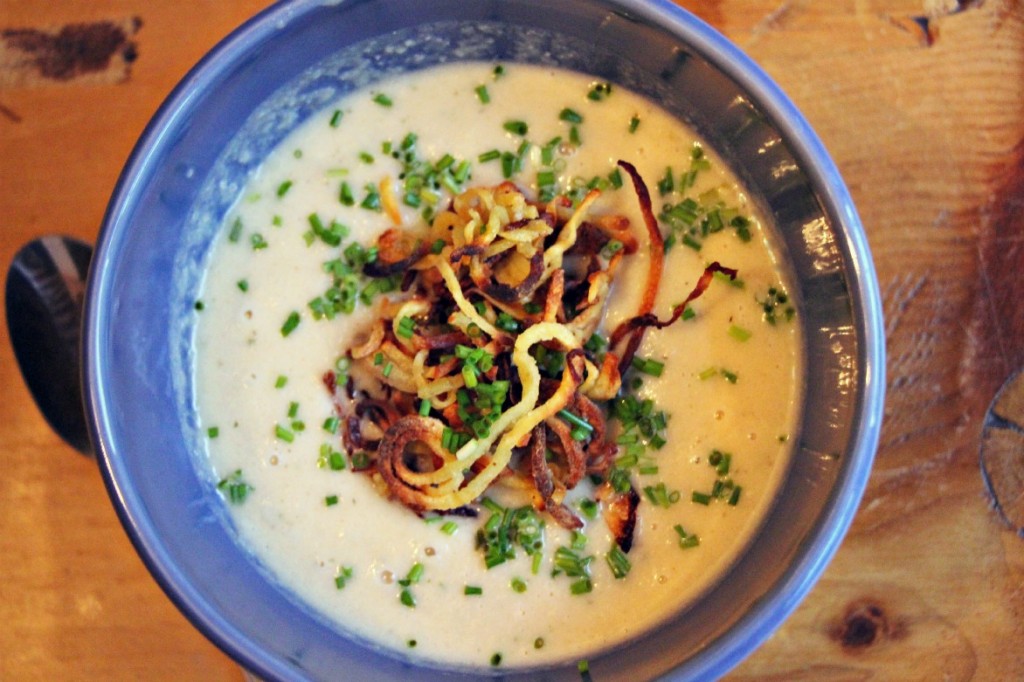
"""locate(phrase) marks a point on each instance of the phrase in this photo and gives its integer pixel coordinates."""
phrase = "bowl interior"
(298, 58)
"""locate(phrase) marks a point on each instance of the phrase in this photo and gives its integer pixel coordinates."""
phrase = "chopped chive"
(634, 123)
(415, 573)
(472, 591)
(383, 100)
(243, 285)
(489, 156)
(336, 118)
(734, 498)
(516, 127)
(686, 540)
(701, 498)
(575, 420)
(574, 136)
(406, 598)
(582, 586)
(290, 324)
(283, 434)
(212, 432)
(257, 241)
(237, 489)
(518, 585)
(406, 327)
(449, 527)
(345, 195)
(330, 500)
(707, 373)
(482, 94)
(648, 366)
(739, 333)
(280, 381)
(331, 424)
(570, 116)
(589, 508)
(343, 576)
(618, 562)
(283, 188)
(336, 461)
(236, 230)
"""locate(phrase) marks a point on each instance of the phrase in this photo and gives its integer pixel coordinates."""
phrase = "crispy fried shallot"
(475, 375)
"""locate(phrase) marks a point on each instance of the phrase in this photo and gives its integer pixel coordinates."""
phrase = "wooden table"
(921, 103)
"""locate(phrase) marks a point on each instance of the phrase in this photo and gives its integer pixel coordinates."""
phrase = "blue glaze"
(297, 58)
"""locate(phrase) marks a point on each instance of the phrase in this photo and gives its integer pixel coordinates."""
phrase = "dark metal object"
(44, 296)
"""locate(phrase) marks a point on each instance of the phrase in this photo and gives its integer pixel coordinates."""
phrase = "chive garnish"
(570, 116)
(330, 500)
(283, 188)
(236, 488)
(345, 195)
(383, 100)
(686, 540)
(336, 461)
(738, 333)
(290, 323)
(236, 230)
(257, 241)
(516, 127)
(283, 434)
(212, 432)
(575, 420)
(618, 562)
(648, 366)
(336, 118)
(472, 591)
(482, 94)
(343, 576)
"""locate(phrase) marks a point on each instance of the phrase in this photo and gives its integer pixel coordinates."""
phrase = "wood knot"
(864, 624)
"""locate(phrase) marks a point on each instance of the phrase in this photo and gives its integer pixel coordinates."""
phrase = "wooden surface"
(921, 103)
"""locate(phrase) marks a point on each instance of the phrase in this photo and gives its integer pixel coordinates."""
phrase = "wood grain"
(920, 102)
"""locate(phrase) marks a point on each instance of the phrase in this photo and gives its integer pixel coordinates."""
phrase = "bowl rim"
(759, 622)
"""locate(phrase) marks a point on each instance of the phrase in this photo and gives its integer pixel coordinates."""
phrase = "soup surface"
(274, 320)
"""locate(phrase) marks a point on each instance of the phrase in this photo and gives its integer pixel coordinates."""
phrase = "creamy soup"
(725, 375)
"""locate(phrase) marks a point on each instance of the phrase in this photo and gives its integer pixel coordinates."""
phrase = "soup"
(700, 428)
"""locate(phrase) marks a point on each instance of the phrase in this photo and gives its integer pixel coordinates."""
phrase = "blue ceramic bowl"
(297, 58)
